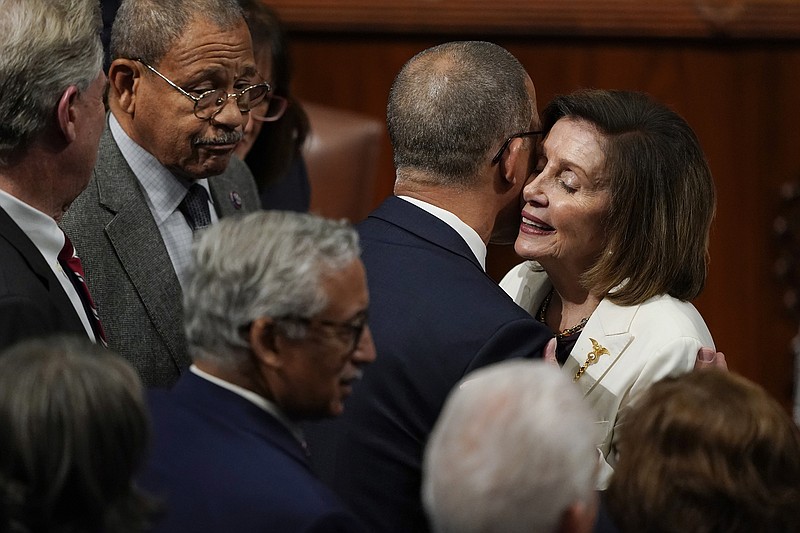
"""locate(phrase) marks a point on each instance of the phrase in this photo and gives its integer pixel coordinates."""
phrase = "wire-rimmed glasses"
(209, 103)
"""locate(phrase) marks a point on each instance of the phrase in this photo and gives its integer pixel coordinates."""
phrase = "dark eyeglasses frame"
(354, 327)
(220, 107)
(502, 149)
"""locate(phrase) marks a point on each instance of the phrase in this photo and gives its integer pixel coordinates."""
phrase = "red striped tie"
(72, 264)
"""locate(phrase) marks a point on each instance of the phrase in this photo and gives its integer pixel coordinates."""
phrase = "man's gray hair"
(451, 105)
(513, 448)
(45, 46)
(147, 29)
(266, 264)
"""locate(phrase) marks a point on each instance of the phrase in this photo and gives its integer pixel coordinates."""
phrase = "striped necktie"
(72, 265)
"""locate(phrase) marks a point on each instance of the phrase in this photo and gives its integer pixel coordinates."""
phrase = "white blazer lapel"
(609, 327)
(528, 285)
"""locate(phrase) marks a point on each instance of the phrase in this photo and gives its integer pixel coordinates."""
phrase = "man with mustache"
(182, 82)
(276, 323)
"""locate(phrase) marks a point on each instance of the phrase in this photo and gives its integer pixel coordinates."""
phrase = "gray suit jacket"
(128, 269)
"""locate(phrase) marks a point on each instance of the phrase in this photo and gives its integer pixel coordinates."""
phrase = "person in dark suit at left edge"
(51, 117)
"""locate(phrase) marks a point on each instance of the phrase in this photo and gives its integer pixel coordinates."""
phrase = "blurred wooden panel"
(770, 19)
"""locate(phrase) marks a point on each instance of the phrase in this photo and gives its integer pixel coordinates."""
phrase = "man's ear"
(510, 159)
(264, 342)
(124, 76)
(67, 113)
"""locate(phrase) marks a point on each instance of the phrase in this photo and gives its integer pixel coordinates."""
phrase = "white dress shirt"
(469, 235)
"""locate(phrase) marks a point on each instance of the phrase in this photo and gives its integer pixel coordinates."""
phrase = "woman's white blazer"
(645, 343)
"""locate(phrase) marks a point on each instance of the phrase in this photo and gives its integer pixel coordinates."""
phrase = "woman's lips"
(531, 224)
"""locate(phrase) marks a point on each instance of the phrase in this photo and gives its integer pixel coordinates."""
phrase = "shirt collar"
(469, 235)
(163, 190)
(254, 398)
(40, 228)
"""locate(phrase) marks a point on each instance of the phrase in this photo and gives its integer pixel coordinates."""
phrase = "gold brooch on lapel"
(591, 358)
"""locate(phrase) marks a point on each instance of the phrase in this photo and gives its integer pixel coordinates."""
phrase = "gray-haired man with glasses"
(182, 83)
(276, 321)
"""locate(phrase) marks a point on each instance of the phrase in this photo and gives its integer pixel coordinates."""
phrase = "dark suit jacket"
(221, 464)
(128, 269)
(32, 301)
(435, 315)
(605, 523)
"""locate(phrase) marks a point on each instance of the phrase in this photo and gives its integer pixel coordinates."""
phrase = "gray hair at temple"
(266, 264)
(147, 29)
(45, 47)
(75, 431)
(512, 451)
(451, 106)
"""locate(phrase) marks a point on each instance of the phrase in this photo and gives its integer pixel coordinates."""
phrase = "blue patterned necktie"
(195, 207)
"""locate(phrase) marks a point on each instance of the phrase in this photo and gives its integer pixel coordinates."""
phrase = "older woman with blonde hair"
(615, 223)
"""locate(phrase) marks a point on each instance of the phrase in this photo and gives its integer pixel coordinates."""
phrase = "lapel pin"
(236, 200)
(591, 358)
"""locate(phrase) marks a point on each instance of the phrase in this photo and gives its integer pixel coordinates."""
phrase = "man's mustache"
(231, 137)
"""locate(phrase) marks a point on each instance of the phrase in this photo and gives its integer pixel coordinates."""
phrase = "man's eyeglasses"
(349, 332)
(209, 103)
(502, 149)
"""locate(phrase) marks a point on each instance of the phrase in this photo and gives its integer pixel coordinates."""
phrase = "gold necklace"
(564, 332)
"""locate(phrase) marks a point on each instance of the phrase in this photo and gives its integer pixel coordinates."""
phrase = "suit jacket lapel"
(14, 235)
(137, 242)
(33, 257)
(532, 292)
(411, 218)
(224, 195)
(214, 402)
(232, 192)
(609, 326)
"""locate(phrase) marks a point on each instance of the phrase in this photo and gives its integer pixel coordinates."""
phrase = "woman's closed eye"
(568, 181)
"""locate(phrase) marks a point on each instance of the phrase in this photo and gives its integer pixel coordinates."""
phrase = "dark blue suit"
(221, 463)
(435, 315)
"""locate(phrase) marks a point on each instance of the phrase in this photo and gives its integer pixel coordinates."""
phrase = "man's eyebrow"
(358, 315)
(206, 74)
(249, 72)
(216, 73)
